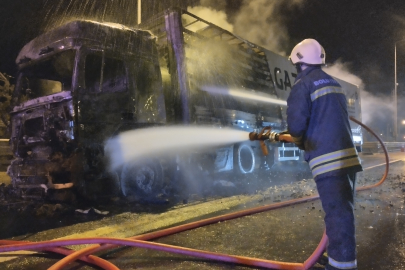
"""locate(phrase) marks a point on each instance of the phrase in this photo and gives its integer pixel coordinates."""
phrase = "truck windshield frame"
(45, 77)
(104, 72)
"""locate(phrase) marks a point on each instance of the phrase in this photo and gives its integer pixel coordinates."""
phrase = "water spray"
(245, 94)
(135, 145)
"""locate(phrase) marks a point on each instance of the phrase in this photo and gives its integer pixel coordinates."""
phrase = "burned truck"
(85, 82)
(77, 85)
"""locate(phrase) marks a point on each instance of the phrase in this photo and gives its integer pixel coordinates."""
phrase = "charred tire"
(142, 179)
(244, 158)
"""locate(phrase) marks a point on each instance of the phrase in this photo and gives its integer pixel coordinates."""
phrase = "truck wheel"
(144, 178)
(244, 158)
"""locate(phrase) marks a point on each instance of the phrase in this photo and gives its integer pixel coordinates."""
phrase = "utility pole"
(395, 95)
(395, 92)
(139, 11)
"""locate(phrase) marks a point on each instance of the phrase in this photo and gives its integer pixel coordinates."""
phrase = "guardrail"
(375, 147)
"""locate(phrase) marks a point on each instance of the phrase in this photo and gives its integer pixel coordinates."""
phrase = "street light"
(395, 93)
(139, 11)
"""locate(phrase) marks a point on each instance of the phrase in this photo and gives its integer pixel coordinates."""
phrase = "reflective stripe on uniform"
(334, 161)
(326, 90)
(335, 166)
(342, 265)
(348, 152)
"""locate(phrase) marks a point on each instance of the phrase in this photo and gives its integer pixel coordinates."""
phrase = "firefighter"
(318, 122)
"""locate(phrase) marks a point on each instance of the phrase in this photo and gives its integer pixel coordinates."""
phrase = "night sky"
(359, 33)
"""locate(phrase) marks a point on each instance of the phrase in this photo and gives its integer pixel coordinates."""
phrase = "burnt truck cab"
(78, 85)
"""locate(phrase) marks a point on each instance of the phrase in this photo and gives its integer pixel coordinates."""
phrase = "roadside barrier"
(376, 147)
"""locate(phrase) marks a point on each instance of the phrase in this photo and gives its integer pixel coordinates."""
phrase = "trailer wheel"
(244, 158)
(143, 179)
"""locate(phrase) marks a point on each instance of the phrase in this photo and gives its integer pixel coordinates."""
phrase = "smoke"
(211, 15)
(341, 71)
(376, 108)
(213, 63)
(376, 111)
(260, 22)
(216, 4)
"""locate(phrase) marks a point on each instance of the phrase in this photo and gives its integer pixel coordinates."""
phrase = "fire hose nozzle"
(262, 136)
(272, 136)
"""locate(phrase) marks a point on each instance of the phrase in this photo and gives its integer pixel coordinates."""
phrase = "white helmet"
(308, 51)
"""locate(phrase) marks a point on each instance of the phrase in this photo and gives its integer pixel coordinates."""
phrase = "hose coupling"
(274, 136)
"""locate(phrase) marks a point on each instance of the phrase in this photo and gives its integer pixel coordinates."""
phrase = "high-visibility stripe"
(342, 265)
(326, 90)
(340, 154)
(340, 164)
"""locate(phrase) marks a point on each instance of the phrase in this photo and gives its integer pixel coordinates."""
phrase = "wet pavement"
(287, 234)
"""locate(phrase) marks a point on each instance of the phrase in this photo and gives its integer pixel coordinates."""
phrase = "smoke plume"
(340, 70)
(377, 111)
(260, 22)
(213, 16)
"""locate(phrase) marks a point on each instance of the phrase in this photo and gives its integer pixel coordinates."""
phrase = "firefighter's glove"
(279, 137)
(299, 142)
(281, 133)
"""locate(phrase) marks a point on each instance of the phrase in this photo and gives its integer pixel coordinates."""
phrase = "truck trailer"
(84, 82)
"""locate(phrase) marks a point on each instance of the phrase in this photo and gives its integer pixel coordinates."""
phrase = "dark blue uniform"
(318, 122)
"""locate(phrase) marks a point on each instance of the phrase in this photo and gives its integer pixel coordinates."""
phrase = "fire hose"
(56, 246)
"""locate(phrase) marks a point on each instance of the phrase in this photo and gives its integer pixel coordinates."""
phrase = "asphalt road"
(286, 234)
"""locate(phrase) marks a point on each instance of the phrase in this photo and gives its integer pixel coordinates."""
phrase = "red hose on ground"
(193, 225)
(196, 253)
(317, 253)
(154, 246)
(65, 251)
(138, 241)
